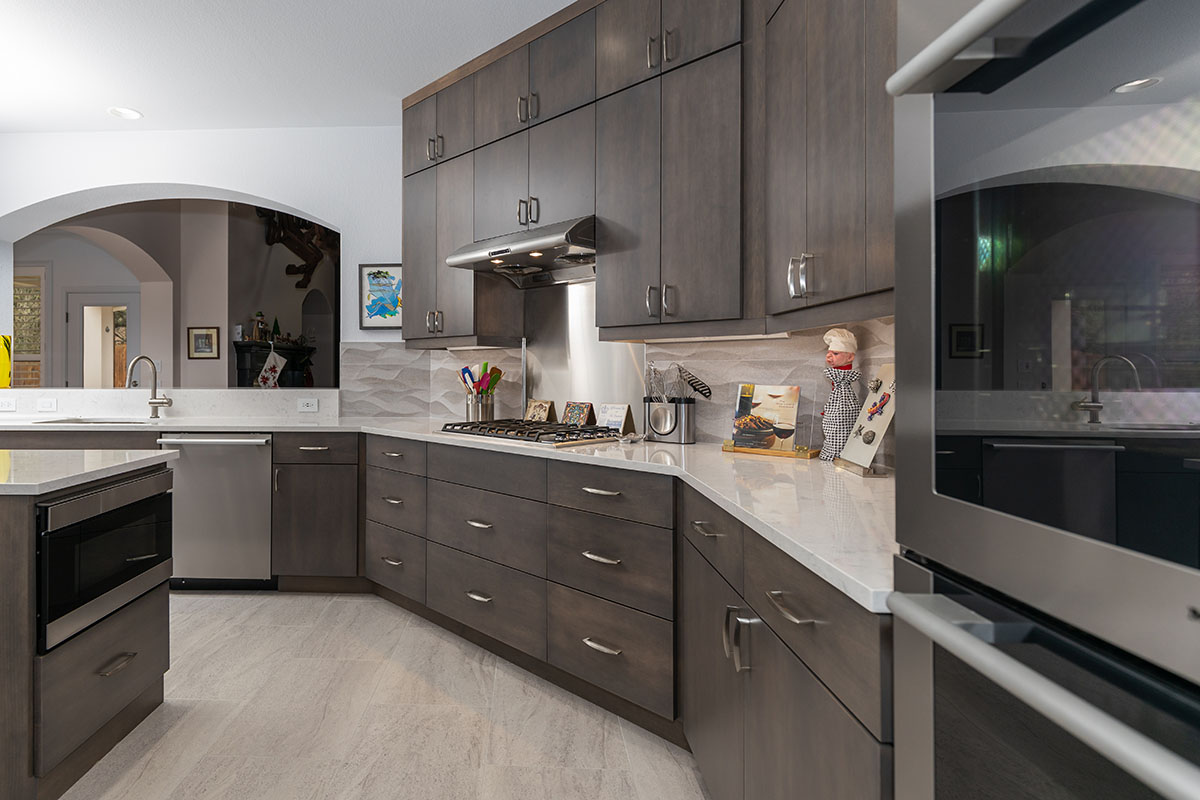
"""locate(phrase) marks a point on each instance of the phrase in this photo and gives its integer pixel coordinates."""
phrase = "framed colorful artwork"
(380, 296)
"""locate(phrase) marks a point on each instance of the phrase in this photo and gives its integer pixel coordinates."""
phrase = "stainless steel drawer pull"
(739, 662)
(944, 452)
(701, 527)
(601, 648)
(121, 662)
(774, 597)
(141, 558)
(474, 523)
(480, 597)
(393, 455)
(612, 562)
(391, 561)
(650, 52)
(725, 629)
(798, 268)
(396, 501)
(311, 448)
(600, 492)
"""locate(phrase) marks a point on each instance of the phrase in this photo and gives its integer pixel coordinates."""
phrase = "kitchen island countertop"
(34, 472)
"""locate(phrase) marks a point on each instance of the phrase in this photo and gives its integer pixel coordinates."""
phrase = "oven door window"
(83, 561)
(1068, 286)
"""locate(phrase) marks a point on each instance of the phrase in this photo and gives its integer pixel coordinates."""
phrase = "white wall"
(346, 178)
(204, 285)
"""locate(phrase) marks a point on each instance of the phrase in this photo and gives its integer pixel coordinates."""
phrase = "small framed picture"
(204, 342)
(966, 341)
(380, 296)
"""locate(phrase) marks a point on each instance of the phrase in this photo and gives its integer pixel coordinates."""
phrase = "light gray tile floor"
(347, 697)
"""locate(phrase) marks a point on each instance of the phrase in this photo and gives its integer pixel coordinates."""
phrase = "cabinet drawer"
(500, 528)
(522, 476)
(850, 648)
(396, 500)
(82, 684)
(401, 455)
(638, 496)
(314, 448)
(503, 603)
(713, 532)
(583, 547)
(396, 560)
(629, 653)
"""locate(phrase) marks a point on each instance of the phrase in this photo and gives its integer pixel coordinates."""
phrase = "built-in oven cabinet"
(669, 197)
(439, 127)
(829, 224)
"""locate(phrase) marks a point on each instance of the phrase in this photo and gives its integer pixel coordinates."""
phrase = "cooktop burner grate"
(554, 434)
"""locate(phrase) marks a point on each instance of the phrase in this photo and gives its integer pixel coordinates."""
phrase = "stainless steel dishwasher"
(222, 513)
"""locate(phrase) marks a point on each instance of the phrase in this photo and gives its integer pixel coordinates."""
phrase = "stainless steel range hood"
(564, 252)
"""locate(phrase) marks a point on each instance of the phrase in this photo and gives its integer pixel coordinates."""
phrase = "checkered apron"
(840, 411)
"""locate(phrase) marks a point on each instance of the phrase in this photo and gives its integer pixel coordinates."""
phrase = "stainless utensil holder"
(673, 421)
(481, 408)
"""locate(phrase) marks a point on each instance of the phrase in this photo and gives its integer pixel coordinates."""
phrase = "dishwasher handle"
(244, 442)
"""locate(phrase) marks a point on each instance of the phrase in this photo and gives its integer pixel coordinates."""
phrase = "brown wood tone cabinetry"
(500, 528)
(79, 440)
(520, 476)
(562, 168)
(694, 28)
(440, 127)
(314, 520)
(419, 247)
(502, 187)
(638, 496)
(502, 97)
(85, 682)
(395, 560)
(714, 533)
(625, 651)
(454, 314)
(400, 455)
(562, 69)
(314, 448)
(420, 135)
(628, 44)
(829, 153)
(395, 499)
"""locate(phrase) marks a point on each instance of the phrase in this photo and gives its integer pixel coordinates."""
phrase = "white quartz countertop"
(34, 472)
(839, 525)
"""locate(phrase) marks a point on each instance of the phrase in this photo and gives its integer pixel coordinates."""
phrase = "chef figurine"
(841, 410)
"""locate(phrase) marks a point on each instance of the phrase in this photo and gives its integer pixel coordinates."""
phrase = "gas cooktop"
(553, 434)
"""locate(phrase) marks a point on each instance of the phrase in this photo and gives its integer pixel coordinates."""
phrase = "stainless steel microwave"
(1048, 348)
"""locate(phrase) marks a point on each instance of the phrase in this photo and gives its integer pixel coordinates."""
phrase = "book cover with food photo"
(765, 417)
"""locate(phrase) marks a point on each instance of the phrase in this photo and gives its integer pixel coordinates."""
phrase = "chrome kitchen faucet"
(156, 402)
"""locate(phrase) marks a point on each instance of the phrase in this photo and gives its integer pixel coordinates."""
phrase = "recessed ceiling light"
(535, 254)
(1133, 86)
(120, 112)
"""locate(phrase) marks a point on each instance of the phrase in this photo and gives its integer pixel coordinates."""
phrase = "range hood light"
(562, 252)
(1133, 86)
(497, 260)
(535, 255)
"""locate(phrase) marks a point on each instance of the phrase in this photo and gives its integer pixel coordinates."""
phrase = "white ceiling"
(199, 64)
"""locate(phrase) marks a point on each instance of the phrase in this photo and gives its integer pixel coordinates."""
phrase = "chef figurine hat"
(841, 340)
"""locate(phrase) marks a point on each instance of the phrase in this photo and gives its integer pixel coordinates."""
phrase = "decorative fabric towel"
(269, 377)
(841, 410)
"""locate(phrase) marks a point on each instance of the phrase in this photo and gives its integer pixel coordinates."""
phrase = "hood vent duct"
(564, 252)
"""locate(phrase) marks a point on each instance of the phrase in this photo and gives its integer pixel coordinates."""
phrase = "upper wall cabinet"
(638, 39)
(829, 152)
(440, 127)
(562, 69)
(502, 97)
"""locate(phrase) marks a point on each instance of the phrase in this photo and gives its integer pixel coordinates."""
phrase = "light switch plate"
(307, 405)
(47, 404)
(8, 404)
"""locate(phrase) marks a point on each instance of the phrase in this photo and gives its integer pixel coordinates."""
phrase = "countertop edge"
(146, 458)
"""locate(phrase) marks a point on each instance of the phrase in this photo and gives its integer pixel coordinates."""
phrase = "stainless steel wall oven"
(1048, 337)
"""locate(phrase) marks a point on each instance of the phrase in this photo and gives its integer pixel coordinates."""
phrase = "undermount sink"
(91, 421)
(1152, 426)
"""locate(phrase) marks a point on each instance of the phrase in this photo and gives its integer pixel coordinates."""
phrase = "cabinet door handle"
(612, 562)
(396, 501)
(391, 562)
(522, 212)
(649, 308)
(438, 321)
(535, 106)
(429, 321)
(390, 454)
(650, 51)
(479, 597)
(121, 662)
(522, 109)
(725, 630)
(740, 663)
(439, 149)
(601, 648)
(484, 526)
(535, 209)
(136, 559)
(277, 479)
(310, 448)
(600, 492)
(429, 156)
(702, 528)
(797, 276)
(776, 598)
(666, 308)
(667, 34)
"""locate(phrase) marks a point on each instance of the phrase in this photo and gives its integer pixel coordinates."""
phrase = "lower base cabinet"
(395, 560)
(314, 520)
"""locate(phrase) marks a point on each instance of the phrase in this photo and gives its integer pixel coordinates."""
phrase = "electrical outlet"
(47, 404)
(307, 405)
(8, 404)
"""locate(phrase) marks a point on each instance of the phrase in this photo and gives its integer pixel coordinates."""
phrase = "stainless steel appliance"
(672, 421)
(1048, 206)
(222, 508)
(564, 252)
(550, 434)
(99, 550)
